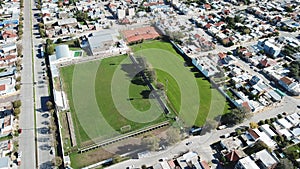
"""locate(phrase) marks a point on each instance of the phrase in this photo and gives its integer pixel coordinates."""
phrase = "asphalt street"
(27, 137)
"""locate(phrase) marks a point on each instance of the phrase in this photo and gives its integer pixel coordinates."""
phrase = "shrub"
(17, 111)
(253, 125)
(261, 122)
(18, 87)
(18, 79)
(17, 104)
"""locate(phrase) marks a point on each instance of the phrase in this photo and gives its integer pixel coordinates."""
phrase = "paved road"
(27, 138)
(201, 144)
(44, 138)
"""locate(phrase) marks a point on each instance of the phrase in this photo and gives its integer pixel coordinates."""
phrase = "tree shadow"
(43, 103)
(194, 69)
(146, 94)
(138, 80)
(198, 75)
(131, 70)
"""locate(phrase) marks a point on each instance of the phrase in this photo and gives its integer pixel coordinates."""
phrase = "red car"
(20, 131)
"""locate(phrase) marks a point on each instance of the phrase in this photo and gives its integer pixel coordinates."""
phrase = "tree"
(246, 31)
(261, 122)
(150, 74)
(18, 79)
(236, 116)
(209, 125)
(173, 135)
(17, 104)
(160, 86)
(144, 166)
(81, 16)
(285, 163)
(59, 40)
(117, 159)
(294, 69)
(42, 32)
(41, 25)
(38, 6)
(253, 125)
(17, 111)
(49, 105)
(57, 161)
(237, 19)
(76, 43)
(19, 49)
(49, 41)
(49, 49)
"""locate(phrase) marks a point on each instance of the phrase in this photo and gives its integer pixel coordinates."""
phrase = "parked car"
(222, 127)
(225, 135)
(188, 143)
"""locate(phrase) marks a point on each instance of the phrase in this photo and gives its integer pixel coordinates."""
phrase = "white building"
(121, 13)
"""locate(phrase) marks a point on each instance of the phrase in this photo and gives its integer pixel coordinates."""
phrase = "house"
(8, 60)
(264, 159)
(284, 123)
(231, 143)
(267, 62)
(294, 118)
(67, 22)
(9, 36)
(6, 121)
(286, 133)
(5, 147)
(253, 135)
(254, 80)
(7, 85)
(289, 85)
(246, 163)
(266, 128)
(100, 41)
(8, 49)
(270, 47)
(235, 155)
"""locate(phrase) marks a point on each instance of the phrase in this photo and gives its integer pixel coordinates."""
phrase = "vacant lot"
(189, 93)
(96, 114)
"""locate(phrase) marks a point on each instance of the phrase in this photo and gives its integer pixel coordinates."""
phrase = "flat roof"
(266, 158)
(248, 163)
(266, 128)
(284, 123)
